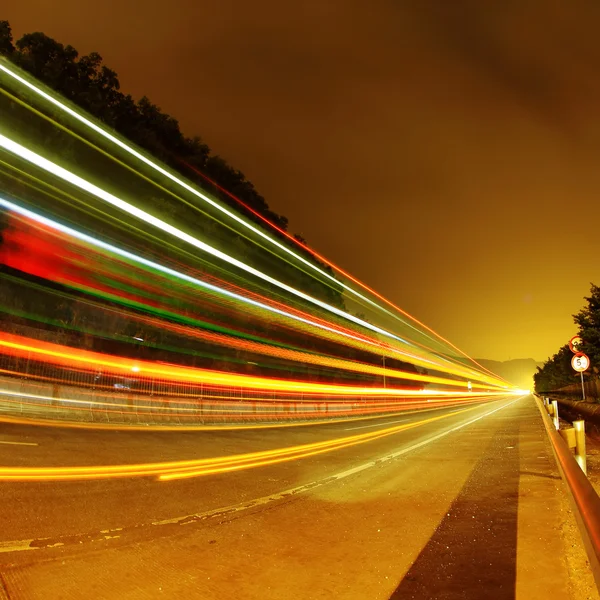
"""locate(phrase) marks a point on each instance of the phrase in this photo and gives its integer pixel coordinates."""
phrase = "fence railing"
(34, 389)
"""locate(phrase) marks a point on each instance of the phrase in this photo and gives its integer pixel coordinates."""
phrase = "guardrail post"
(555, 414)
(580, 455)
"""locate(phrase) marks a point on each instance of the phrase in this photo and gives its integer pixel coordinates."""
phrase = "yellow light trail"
(72, 357)
(168, 471)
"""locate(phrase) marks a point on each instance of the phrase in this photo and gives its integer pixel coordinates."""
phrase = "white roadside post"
(555, 414)
(580, 456)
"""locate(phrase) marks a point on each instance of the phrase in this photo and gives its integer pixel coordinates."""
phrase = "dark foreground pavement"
(469, 506)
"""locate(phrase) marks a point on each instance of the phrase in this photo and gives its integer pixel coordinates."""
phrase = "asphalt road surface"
(426, 510)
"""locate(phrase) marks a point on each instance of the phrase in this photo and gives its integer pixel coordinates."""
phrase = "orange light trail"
(63, 355)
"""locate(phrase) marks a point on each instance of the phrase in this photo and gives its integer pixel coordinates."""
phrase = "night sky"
(445, 152)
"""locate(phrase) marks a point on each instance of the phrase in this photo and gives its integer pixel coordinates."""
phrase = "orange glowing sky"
(444, 152)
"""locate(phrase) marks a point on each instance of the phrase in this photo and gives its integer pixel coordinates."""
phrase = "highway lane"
(34, 510)
(444, 517)
(458, 507)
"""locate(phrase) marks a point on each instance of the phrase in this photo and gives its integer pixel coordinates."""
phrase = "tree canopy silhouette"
(557, 371)
(93, 86)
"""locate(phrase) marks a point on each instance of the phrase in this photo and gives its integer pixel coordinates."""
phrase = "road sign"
(580, 362)
(575, 344)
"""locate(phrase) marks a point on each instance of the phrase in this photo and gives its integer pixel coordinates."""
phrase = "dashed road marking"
(376, 424)
(18, 443)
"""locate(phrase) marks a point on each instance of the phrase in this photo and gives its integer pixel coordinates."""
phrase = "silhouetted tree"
(557, 371)
(588, 321)
(6, 39)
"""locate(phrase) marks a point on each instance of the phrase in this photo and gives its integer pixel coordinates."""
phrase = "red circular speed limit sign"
(580, 362)
(575, 343)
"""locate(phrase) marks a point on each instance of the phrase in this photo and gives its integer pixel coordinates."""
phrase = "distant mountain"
(518, 371)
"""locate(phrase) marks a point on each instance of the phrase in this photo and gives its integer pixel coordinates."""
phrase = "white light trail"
(90, 188)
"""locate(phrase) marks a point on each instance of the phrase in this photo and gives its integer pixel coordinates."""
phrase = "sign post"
(581, 362)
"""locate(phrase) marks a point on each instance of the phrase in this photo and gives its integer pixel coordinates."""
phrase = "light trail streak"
(17, 443)
(147, 179)
(57, 354)
(246, 293)
(415, 359)
(288, 354)
(238, 404)
(130, 150)
(167, 270)
(168, 471)
(279, 421)
(90, 188)
(241, 405)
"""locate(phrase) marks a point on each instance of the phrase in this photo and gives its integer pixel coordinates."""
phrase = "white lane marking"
(418, 445)
(19, 443)
(16, 546)
(375, 425)
(37, 544)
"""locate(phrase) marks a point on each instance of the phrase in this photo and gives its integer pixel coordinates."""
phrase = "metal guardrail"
(585, 499)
